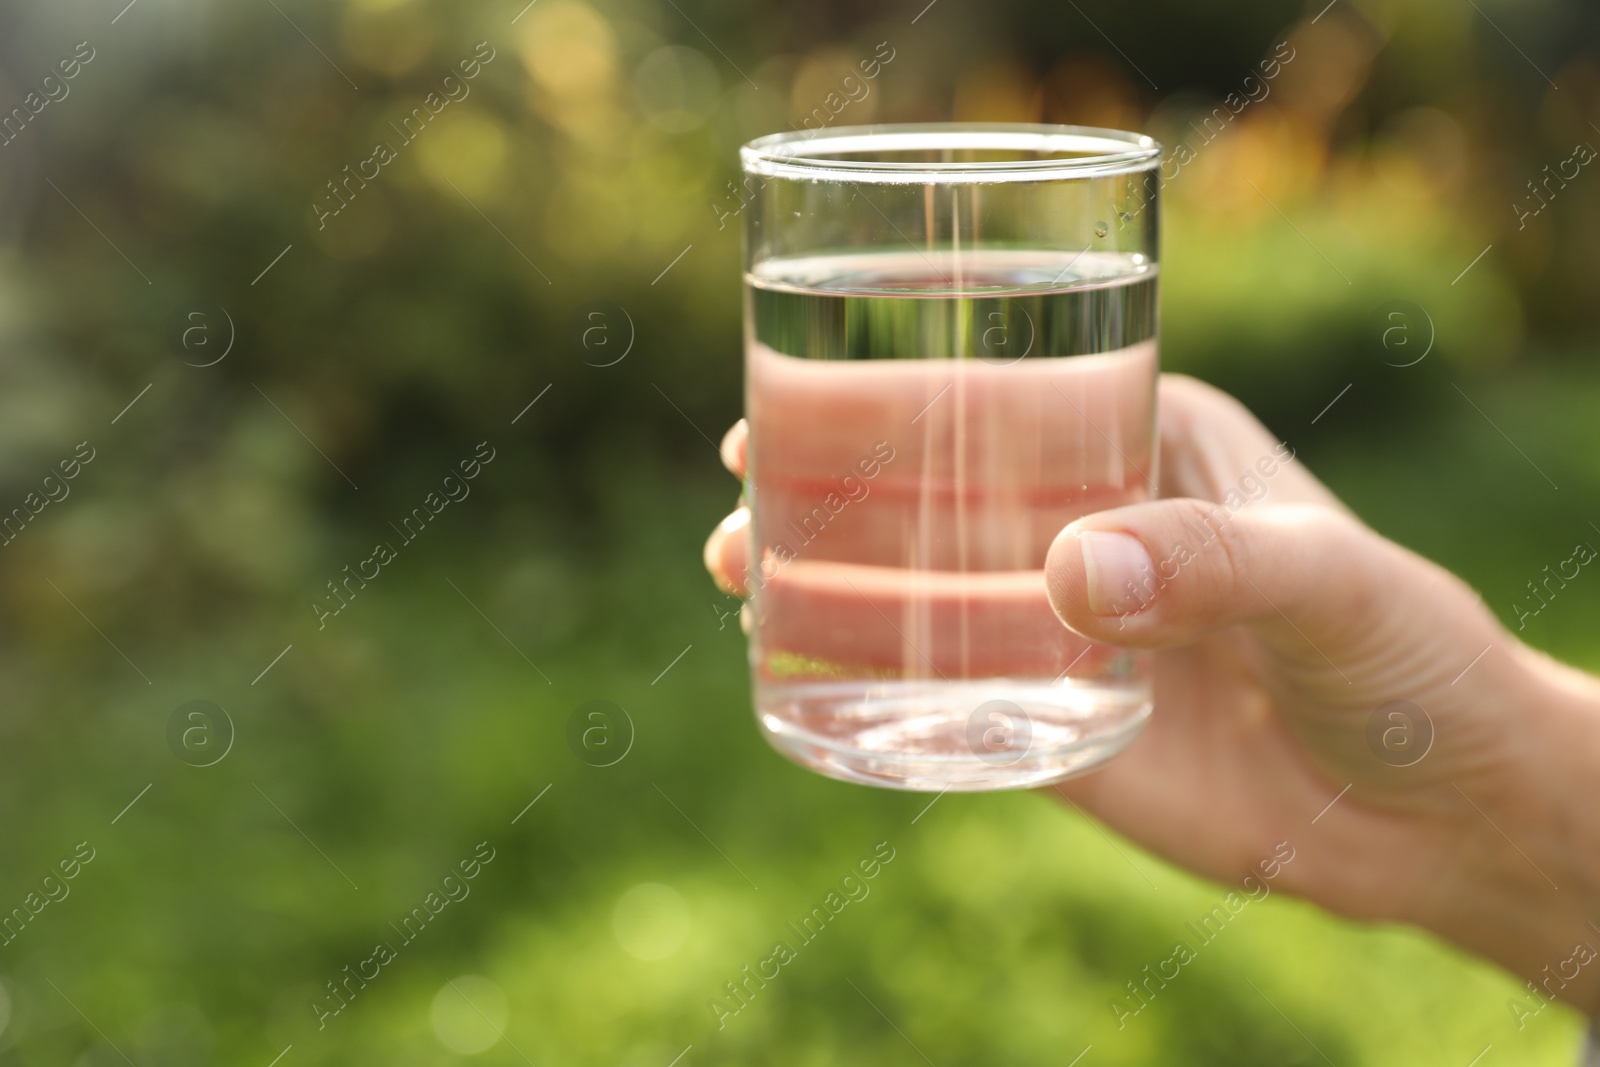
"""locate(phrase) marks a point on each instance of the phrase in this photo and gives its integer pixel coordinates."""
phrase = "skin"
(1275, 644)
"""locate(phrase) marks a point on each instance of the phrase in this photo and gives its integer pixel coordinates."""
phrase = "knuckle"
(1208, 533)
(1236, 555)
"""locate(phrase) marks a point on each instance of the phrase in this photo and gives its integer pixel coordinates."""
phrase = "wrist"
(1524, 890)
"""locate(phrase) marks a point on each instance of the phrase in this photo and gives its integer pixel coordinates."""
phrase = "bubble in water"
(1101, 229)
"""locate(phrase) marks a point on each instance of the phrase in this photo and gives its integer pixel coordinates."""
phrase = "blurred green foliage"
(594, 148)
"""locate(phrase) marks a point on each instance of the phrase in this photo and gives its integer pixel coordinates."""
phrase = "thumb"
(1318, 587)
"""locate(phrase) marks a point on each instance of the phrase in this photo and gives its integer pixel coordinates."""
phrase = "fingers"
(960, 464)
(1322, 591)
(727, 552)
(1173, 571)
(1036, 427)
(1211, 446)
(733, 447)
(918, 624)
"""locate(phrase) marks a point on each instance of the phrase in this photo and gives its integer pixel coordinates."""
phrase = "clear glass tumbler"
(950, 336)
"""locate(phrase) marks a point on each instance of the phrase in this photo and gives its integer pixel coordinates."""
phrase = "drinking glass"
(950, 354)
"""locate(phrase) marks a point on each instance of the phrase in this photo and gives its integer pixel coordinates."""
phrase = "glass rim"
(814, 155)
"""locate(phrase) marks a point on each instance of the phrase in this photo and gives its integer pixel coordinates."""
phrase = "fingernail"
(1115, 567)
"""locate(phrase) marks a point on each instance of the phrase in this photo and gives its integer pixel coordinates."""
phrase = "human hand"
(1279, 637)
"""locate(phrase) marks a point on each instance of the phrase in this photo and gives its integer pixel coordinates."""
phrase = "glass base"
(951, 736)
